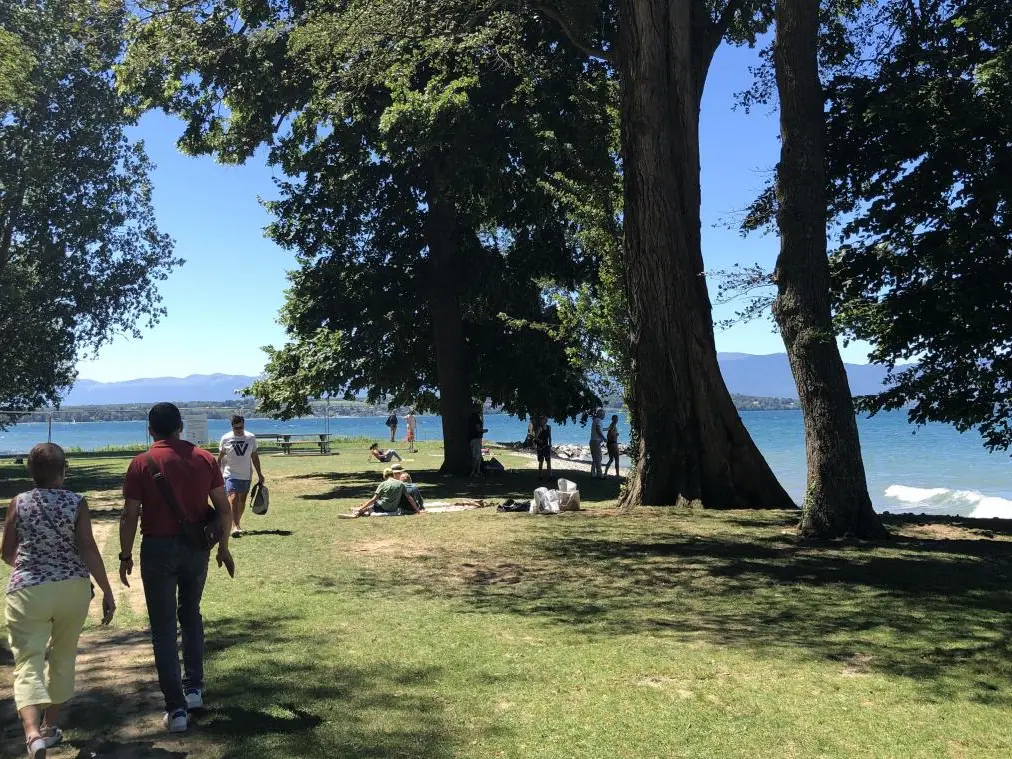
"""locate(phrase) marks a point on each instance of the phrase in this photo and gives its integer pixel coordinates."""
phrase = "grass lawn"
(592, 635)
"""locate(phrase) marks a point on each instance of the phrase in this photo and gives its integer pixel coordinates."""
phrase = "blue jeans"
(235, 485)
(173, 574)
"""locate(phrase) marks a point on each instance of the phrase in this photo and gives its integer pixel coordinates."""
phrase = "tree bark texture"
(693, 447)
(452, 365)
(836, 499)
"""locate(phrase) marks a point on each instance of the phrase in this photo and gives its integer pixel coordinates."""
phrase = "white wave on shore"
(966, 503)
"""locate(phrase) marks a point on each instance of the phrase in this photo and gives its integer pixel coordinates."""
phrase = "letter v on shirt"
(238, 454)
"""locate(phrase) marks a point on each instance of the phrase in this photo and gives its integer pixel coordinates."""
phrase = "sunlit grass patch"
(656, 632)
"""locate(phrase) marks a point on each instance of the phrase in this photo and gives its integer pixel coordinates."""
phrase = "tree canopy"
(419, 152)
(920, 161)
(919, 146)
(16, 63)
(80, 253)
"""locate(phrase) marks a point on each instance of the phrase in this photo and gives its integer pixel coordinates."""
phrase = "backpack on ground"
(492, 467)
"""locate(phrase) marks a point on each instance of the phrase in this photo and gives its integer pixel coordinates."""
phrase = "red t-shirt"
(191, 471)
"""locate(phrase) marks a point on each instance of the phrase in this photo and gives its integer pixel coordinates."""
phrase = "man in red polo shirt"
(168, 561)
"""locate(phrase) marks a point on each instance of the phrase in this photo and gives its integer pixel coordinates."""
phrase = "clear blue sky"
(223, 303)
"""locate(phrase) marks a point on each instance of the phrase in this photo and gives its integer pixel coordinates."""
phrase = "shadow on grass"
(132, 749)
(86, 477)
(938, 611)
(516, 484)
(107, 698)
(289, 702)
(81, 478)
(267, 696)
(255, 533)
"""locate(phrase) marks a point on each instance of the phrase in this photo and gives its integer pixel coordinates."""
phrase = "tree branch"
(153, 13)
(589, 50)
(708, 32)
(723, 23)
(483, 14)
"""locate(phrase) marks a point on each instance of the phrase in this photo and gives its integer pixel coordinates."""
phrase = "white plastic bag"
(545, 501)
(540, 496)
(569, 495)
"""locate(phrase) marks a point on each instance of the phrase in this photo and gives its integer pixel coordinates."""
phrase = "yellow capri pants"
(52, 613)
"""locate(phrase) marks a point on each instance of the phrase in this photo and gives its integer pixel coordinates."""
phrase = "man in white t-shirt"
(238, 450)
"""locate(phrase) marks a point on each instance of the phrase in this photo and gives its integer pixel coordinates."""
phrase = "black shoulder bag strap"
(202, 536)
(166, 489)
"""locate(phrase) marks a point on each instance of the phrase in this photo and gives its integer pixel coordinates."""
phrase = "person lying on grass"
(383, 456)
(387, 500)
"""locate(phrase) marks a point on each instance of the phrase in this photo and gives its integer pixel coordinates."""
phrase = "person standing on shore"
(410, 423)
(475, 430)
(49, 543)
(542, 439)
(612, 444)
(596, 438)
(173, 569)
(392, 424)
(238, 449)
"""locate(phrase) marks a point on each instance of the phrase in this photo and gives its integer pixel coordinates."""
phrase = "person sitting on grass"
(411, 489)
(384, 456)
(387, 500)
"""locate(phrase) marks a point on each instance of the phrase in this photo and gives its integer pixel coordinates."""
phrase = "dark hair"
(238, 419)
(374, 445)
(46, 462)
(164, 419)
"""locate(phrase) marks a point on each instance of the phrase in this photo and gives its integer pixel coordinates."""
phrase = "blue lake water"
(931, 469)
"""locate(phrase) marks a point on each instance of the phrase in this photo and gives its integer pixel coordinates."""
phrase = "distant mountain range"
(745, 374)
(770, 375)
(196, 387)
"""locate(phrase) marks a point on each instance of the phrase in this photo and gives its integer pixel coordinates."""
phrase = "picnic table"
(287, 439)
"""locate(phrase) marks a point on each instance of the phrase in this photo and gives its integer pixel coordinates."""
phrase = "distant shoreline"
(137, 412)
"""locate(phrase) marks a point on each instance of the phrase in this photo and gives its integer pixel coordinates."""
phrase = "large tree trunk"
(693, 446)
(836, 499)
(452, 367)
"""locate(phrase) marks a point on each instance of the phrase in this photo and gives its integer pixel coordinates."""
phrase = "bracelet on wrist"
(127, 557)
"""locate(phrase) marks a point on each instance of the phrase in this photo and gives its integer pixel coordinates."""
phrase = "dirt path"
(117, 702)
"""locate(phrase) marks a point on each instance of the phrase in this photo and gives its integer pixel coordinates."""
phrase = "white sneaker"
(194, 699)
(176, 722)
